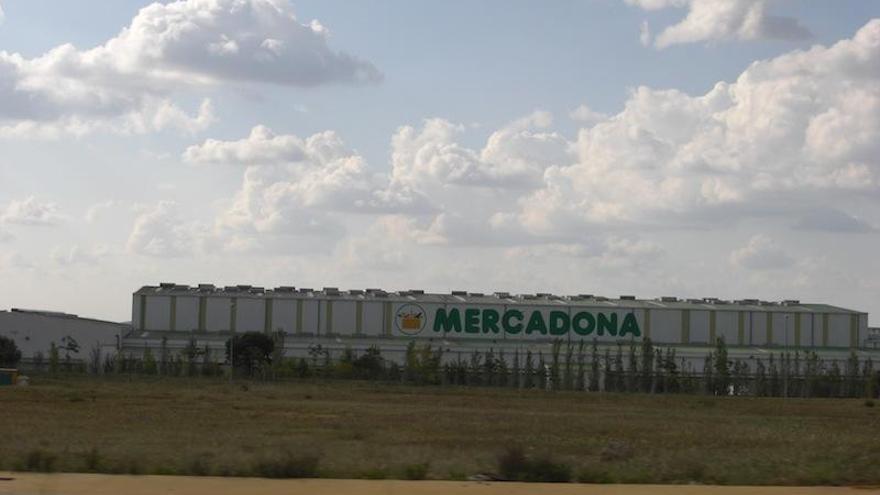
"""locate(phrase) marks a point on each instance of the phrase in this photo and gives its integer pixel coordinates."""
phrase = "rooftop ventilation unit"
(668, 299)
(305, 290)
(627, 298)
(416, 292)
(331, 291)
(355, 292)
(459, 293)
(166, 285)
(543, 294)
(600, 298)
(791, 302)
(585, 296)
(206, 287)
(231, 288)
(476, 294)
(502, 295)
(285, 288)
(243, 287)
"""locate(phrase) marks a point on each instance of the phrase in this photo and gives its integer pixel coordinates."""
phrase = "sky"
(695, 148)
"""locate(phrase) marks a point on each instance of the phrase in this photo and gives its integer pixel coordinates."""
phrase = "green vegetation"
(9, 353)
(356, 428)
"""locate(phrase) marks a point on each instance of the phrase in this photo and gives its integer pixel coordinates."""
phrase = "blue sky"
(92, 200)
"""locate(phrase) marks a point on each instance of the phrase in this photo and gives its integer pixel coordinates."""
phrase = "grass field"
(351, 429)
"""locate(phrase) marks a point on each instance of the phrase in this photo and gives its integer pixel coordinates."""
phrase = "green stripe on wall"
(712, 327)
(685, 326)
(142, 318)
(267, 318)
(825, 330)
(203, 311)
(854, 331)
(173, 322)
(741, 328)
(329, 317)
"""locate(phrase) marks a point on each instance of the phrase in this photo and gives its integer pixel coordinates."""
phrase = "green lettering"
(559, 323)
(490, 321)
(606, 323)
(536, 324)
(511, 314)
(583, 323)
(444, 322)
(630, 325)
(472, 320)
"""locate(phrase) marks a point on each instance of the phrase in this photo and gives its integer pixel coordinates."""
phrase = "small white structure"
(34, 332)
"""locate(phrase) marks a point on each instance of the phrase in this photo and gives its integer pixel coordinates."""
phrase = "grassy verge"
(368, 430)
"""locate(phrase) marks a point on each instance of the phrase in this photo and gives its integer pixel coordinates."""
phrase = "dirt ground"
(98, 484)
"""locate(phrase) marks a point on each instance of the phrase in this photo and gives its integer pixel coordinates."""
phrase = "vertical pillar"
(854, 331)
(769, 328)
(233, 312)
(267, 317)
(685, 326)
(824, 329)
(172, 321)
(797, 329)
(203, 311)
(142, 318)
(741, 328)
(387, 318)
(299, 316)
(358, 317)
(647, 323)
(329, 318)
(712, 337)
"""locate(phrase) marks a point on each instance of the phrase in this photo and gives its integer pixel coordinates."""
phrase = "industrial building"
(35, 331)
(460, 322)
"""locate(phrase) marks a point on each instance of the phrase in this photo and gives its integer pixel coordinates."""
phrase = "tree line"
(633, 367)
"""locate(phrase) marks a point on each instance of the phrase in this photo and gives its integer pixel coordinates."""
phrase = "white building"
(35, 331)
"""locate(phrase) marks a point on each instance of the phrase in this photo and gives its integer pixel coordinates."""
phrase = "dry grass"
(360, 429)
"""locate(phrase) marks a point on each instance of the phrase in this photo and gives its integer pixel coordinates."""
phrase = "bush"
(288, 465)
(514, 465)
(92, 460)
(416, 471)
(39, 461)
(9, 353)
(869, 402)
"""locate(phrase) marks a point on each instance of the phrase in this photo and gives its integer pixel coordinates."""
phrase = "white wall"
(33, 333)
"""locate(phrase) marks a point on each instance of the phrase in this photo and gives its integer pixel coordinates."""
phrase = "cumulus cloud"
(709, 20)
(30, 211)
(761, 253)
(160, 231)
(127, 82)
(77, 255)
(262, 146)
(759, 145)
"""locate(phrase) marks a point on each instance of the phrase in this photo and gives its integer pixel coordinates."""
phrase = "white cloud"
(645, 34)
(785, 130)
(2, 15)
(98, 209)
(160, 231)
(30, 211)
(262, 146)
(76, 255)
(761, 253)
(709, 20)
(587, 116)
(126, 84)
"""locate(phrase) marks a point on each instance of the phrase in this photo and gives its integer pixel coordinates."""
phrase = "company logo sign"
(515, 321)
(410, 319)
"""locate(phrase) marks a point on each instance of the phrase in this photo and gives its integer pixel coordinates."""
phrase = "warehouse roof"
(55, 314)
(465, 297)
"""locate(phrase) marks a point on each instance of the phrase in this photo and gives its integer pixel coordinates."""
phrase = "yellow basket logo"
(410, 319)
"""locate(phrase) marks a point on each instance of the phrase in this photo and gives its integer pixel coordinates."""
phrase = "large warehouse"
(463, 321)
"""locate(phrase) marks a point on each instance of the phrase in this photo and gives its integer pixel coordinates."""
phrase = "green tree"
(54, 360)
(647, 369)
(10, 356)
(632, 372)
(250, 352)
(150, 366)
(721, 373)
(594, 367)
